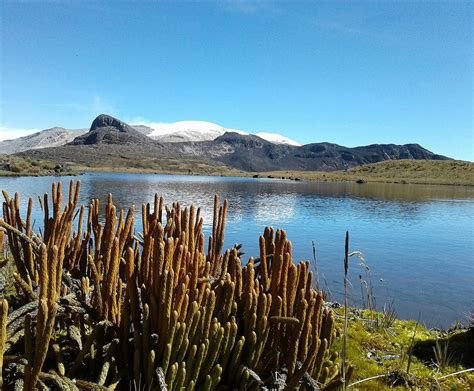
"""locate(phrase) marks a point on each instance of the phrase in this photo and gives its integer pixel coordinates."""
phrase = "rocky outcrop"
(109, 130)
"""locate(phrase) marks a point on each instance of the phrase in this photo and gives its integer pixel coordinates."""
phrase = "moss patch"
(385, 351)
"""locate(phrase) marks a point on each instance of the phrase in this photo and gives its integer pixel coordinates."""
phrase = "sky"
(352, 73)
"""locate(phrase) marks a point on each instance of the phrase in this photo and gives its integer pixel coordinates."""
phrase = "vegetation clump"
(102, 307)
(20, 166)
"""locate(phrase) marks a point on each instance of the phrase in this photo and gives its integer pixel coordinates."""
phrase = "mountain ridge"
(181, 131)
(114, 140)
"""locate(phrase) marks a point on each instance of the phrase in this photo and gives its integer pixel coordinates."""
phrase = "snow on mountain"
(277, 138)
(204, 131)
(188, 131)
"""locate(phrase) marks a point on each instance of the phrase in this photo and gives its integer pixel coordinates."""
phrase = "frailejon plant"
(102, 307)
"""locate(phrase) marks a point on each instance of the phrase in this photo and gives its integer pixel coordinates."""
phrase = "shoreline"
(251, 175)
(404, 172)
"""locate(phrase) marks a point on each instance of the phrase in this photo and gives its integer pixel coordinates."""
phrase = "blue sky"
(353, 73)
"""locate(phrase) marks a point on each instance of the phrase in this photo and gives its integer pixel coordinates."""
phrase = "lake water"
(417, 240)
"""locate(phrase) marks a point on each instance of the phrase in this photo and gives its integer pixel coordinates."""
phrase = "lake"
(417, 240)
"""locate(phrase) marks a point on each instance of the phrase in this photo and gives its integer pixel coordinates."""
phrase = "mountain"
(253, 153)
(109, 130)
(47, 138)
(112, 143)
(195, 131)
(53, 137)
(184, 131)
(177, 132)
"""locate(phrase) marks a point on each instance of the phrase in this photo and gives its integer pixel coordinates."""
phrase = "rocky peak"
(109, 130)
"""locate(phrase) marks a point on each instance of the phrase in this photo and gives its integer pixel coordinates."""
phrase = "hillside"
(252, 153)
(442, 172)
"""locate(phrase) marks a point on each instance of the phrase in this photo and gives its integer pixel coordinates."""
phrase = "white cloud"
(8, 133)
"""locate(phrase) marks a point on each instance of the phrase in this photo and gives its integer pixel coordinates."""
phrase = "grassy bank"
(439, 172)
(19, 165)
(379, 348)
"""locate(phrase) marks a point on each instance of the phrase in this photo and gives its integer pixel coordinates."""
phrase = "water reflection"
(418, 239)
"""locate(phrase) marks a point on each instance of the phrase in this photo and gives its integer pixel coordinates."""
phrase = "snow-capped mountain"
(112, 139)
(204, 131)
(188, 131)
(182, 131)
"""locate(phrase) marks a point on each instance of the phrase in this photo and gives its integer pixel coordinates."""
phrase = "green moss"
(7, 269)
(385, 351)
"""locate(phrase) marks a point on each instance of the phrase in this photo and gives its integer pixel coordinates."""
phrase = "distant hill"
(53, 137)
(252, 153)
(113, 143)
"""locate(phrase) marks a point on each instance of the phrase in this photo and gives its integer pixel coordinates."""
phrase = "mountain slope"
(252, 153)
(53, 137)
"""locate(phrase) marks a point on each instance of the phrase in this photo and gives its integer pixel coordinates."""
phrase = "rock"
(391, 357)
